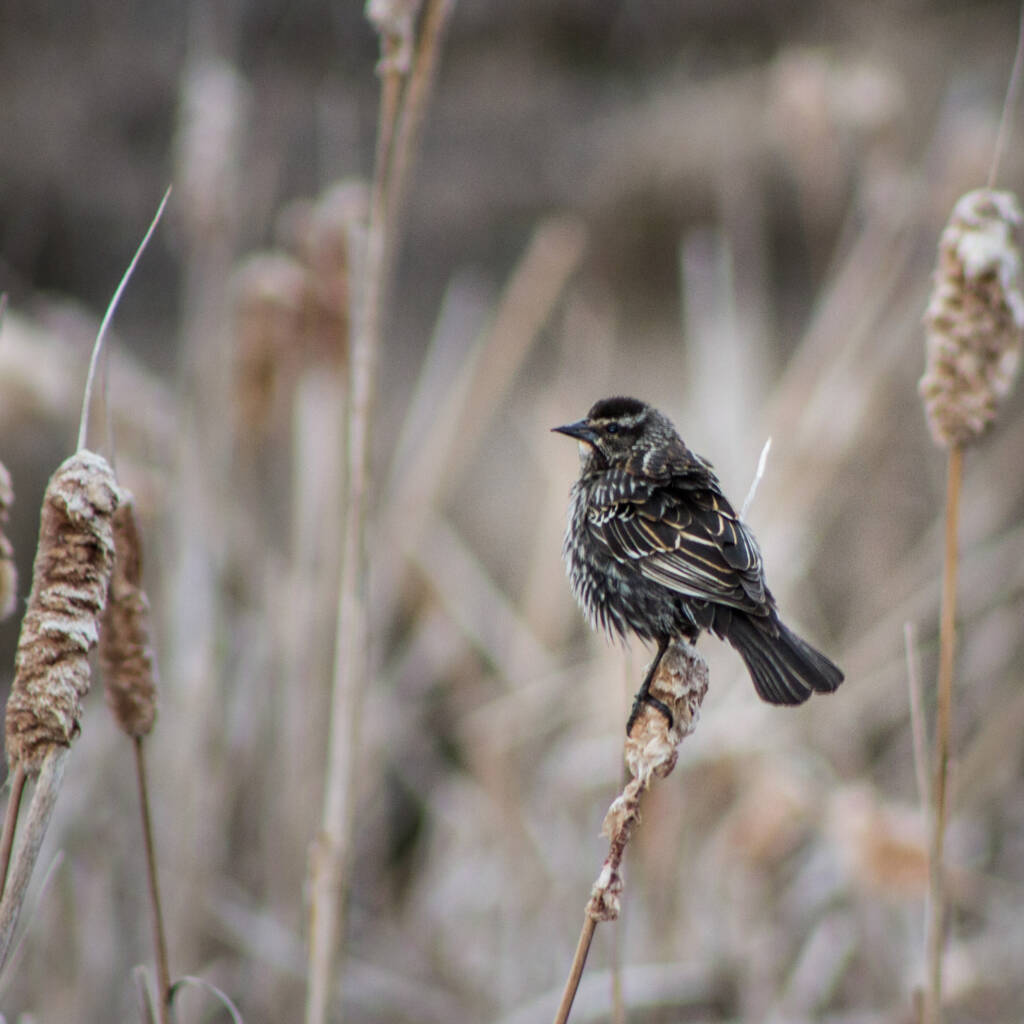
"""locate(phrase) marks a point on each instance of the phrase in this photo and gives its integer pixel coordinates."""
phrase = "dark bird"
(653, 547)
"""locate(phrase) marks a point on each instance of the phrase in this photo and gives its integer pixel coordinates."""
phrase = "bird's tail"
(785, 669)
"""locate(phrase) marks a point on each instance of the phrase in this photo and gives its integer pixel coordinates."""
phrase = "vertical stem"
(579, 961)
(11, 822)
(32, 833)
(163, 974)
(947, 647)
(398, 132)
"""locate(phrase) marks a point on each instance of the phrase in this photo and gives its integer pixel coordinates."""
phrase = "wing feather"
(681, 533)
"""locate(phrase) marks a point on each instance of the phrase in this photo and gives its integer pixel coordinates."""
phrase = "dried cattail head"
(70, 579)
(126, 653)
(272, 299)
(8, 570)
(975, 317)
(680, 683)
(651, 752)
(395, 20)
(335, 230)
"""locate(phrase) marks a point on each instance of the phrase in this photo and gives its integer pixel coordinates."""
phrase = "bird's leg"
(643, 695)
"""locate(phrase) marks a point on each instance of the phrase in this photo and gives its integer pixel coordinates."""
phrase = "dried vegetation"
(789, 201)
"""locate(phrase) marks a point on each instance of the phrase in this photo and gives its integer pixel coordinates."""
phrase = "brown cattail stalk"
(975, 326)
(8, 570)
(61, 626)
(70, 580)
(129, 675)
(652, 749)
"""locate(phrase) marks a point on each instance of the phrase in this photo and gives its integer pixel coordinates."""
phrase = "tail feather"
(784, 668)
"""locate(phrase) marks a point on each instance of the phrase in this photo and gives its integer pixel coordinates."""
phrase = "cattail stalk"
(652, 750)
(975, 328)
(129, 675)
(330, 855)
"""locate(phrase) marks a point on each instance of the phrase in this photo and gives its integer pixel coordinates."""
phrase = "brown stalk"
(331, 852)
(129, 675)
(947, 647)
(31, 835)
(652, 749)
(163, 972)
(18, 777)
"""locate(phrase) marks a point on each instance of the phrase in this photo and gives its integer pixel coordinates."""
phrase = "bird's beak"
(581, 430)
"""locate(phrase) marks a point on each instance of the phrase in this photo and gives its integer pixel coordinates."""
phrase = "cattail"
(126, 653)
(272, 299)
(975, 318)
(8, 570)
(70, 579)
(652, 749)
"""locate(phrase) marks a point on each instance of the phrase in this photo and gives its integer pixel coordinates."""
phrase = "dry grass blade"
(652, 749)
(8, 570)
(31, 835)
(17, 787)
(83, 428)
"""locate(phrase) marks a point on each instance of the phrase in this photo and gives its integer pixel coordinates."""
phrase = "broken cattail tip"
(680, 683)
(652, 749)
(126, 653)
(61, 625)
(975, 317)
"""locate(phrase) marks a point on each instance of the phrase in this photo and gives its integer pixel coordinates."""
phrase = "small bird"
(653, 547)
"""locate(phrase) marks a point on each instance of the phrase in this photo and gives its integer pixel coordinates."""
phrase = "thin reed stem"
(329, 861)
(947, 648)
(163, 974)
(40, 810)
(918, 725)
(1009, 104)
(413, 108)
(11, 822)
(579, 961)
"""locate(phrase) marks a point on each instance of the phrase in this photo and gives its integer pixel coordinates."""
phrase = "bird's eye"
(612, 428)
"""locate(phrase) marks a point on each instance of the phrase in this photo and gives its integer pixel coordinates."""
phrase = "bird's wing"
(682, 534)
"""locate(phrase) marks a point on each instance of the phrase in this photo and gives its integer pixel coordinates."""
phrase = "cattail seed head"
(652, 749)
(70, 579)
(8, 570)
(975, 317)
(126, 653)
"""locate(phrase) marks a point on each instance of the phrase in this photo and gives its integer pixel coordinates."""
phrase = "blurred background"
(728, 209)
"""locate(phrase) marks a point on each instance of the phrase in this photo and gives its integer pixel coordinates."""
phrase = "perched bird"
(653, 547)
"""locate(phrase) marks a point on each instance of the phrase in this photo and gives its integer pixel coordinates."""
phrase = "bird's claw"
(640, 700)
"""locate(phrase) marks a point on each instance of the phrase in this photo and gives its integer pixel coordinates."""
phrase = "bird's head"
(616, 431)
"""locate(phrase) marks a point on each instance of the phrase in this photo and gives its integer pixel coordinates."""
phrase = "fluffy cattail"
(975, 317)
(8, 571)
(126, 653)
(651, 752)
(70, 579)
